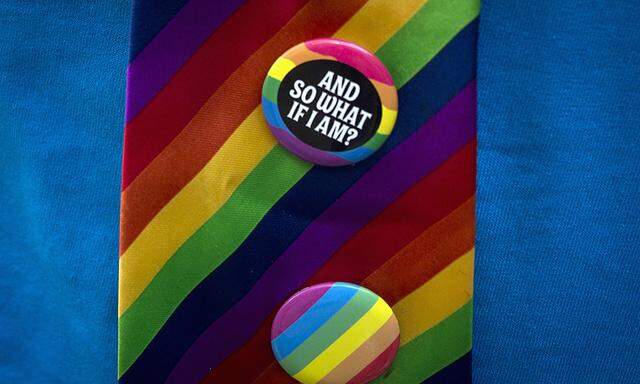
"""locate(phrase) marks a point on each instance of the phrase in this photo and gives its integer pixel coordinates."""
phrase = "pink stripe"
(283, 320)
(353, 55)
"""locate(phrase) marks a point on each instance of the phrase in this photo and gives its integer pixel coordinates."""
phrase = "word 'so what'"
(323, 107)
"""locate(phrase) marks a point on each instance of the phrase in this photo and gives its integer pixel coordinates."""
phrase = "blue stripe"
(330, 303)
(444, 77)
(151, 16)
(148, 18)
(354, 155)
(458, 372)
(272, 114)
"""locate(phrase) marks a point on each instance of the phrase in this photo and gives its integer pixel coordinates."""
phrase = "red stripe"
(431, 199)
(165, 116)
(185, 156)
(274, 375)
(421, 206)
(417, 263)
(257, 350)
(374, 369)
(427, 254)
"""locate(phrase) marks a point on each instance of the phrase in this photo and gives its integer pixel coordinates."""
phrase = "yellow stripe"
(213, 185)
(383, 17)
(387, 121)
(192, 206)
(280, 68)
(346, 344)
(436, 300)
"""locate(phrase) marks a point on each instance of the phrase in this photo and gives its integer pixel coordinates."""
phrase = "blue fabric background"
(557, 268)
(557, 295)
(62, 79)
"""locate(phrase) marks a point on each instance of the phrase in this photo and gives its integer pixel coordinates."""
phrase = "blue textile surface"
(62, 84)
(557, 296)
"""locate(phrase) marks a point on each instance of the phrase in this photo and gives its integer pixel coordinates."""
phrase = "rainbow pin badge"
(330, 102)
(335, 333)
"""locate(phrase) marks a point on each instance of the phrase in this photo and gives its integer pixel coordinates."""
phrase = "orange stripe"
(375, 368)
(427, 254)
(196, 78)
(222, 113)
(388, 95)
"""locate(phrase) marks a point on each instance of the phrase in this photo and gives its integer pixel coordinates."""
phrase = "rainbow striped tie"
(220, 224)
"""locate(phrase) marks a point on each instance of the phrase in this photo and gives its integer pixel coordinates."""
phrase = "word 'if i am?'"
(332, 113)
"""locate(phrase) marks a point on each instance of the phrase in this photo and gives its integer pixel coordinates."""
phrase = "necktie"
(220, 225)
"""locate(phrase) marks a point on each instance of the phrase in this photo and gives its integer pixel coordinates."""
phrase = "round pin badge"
(335, 333)
(330, 102)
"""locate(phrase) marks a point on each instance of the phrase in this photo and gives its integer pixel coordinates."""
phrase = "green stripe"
(376, 141)
(207, 249)
(227, 228)
(270, 89)
(435, 23)
(433, 350)
(329, 332)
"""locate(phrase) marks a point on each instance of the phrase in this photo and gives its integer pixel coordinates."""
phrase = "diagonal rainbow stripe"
(210, 344)
(202, 207)
(207, 86)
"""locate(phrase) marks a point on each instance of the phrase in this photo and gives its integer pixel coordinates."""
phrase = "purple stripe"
(434, 142)
(171, 48)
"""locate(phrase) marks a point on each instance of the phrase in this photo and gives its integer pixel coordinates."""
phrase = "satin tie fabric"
(220, 224)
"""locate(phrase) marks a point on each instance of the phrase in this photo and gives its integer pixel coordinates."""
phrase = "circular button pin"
(335, 333)
(330, 102)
